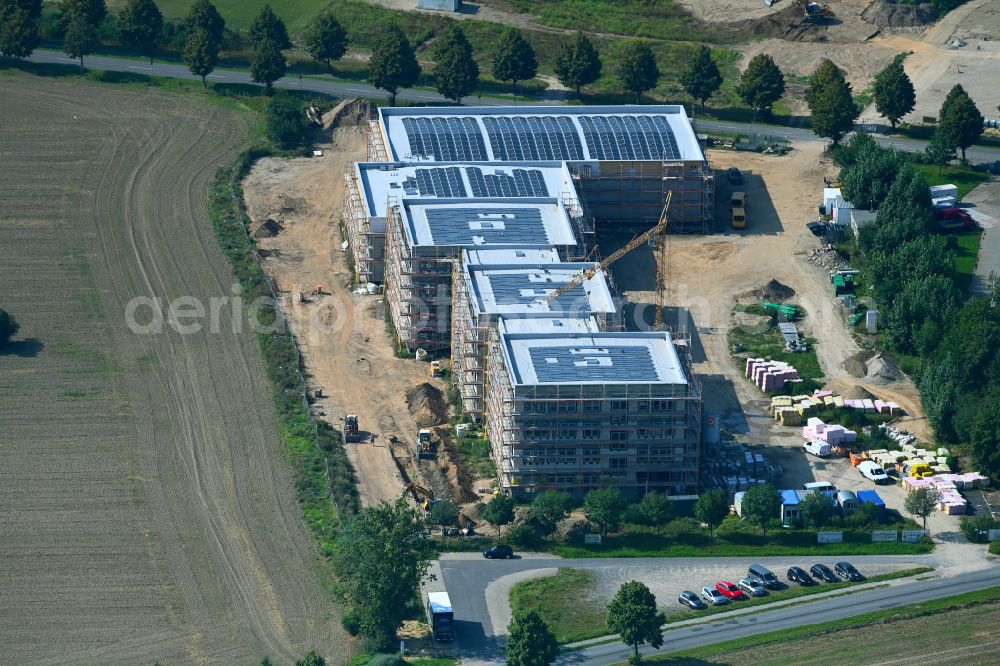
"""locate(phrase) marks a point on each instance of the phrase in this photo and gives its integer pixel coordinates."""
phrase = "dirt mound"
(887, 14)
(775, 292)
(269, 228)
(883, 370)
(857, 364)
(859, 393)
(426, 403)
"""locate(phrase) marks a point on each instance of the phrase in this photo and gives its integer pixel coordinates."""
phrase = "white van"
(873, 472)
(818, 448)
(820, 487)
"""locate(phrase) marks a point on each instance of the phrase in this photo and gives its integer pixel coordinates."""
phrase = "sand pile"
(857, 364)
(887, 14)
(427, 405)
(859, 393)
(883, 370)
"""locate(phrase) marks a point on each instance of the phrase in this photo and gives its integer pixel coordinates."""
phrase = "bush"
(995, 548)
(286, 121)
(974, 527)
(387, 660)
(524, 536)
(349, 621)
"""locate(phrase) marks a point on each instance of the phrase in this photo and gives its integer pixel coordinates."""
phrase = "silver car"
(752, 587)
(713, 596)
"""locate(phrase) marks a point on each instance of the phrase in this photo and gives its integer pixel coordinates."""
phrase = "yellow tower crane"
(659, 232)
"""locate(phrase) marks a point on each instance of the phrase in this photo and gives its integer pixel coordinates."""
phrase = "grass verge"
(566, 602)
(966, 255)
(964, 178)
(766, 341)
(790, 643)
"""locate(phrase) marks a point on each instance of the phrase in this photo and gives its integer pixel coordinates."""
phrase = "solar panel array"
(445, 139)
(483, 226)
(523, 183)
(446, 182)
(533, 138)
(629, 137)
(558, 365)
(511, 290)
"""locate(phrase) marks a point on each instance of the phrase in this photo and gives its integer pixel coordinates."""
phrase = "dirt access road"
(708, 274)
(347, 352)
(148, 513)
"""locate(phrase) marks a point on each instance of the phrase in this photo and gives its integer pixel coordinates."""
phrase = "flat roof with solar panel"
(500, 222)
(379, 181)
(564, 133)
(550, 359)
(522, 290)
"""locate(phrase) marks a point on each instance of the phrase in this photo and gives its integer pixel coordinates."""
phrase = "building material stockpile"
(831, 433)
(770, 375)
(952, 502)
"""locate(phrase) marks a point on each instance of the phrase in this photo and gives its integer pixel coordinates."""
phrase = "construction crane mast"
(659, 231)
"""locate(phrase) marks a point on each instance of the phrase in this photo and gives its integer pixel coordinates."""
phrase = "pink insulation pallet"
(831, 433)
(770, 375)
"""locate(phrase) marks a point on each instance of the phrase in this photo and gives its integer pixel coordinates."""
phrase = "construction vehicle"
(351, 432)
(425, 445)
(418, 492)
(436, 369)
(658, 232)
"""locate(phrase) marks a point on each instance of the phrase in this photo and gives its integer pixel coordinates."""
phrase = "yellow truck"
(738, 204)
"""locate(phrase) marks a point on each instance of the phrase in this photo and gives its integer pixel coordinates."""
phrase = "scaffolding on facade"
(360, 237)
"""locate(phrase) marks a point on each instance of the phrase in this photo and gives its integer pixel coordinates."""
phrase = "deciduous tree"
(266, 26)
(393, 64)
(455, 70)
(712, 508)
(19, 27)
(530, 642)
(893, 92)
(499, 511)
(831, 105)
(816, 509)
(205, 16)
(577, 62)
(326, 39)
(443, 513)
(139, 24)
(633, 615)
(761, 84)
(984, 434)
(267, 63)
(311, 659)
(549, 507)
(286, 121)
(201, 53)
(605, 506)
(866, 181)
(943, 146)
(960, 117)
(922, 502)
(8, 327)
(638, 71)
(656, 509)
(80, 39)
(762, 504)
(92, 11)
(513, 58)
(702, 77)
(383, 555)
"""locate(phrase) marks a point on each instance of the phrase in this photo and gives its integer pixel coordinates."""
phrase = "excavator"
(425, 445)
(418, 492)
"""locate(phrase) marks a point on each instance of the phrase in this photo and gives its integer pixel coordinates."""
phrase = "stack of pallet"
(948, 486)
(770, 375)
(784, 411)
(831, 433)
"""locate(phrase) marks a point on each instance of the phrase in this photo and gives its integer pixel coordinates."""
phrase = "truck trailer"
(442, 617)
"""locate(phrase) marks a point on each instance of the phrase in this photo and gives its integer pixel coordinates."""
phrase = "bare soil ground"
(348, 353)
(708, 274)
(148, 514)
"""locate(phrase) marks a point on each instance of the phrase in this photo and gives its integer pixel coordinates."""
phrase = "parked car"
(691, 600)
(713, 596)
(952, 219)
(799, 575)
(752, 587)
(873, 472)
(847, 571)
(498, 553)
(764, 576)
(731, 590)
(735, 176)
(823, 572)
(818, 448)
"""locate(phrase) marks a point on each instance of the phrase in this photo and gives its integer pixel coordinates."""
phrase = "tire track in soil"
(231, 551)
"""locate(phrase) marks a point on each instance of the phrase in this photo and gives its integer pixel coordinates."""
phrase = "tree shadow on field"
(29, 348)
(39, 68)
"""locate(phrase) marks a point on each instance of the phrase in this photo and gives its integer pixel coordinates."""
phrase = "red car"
(954, 218)
(730, 590)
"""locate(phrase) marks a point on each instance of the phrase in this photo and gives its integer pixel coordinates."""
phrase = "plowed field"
(146, 512)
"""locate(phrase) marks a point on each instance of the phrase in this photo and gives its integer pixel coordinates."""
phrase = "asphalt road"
(468, 577)
(359, 89)
(834, 608)
(984, 204)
